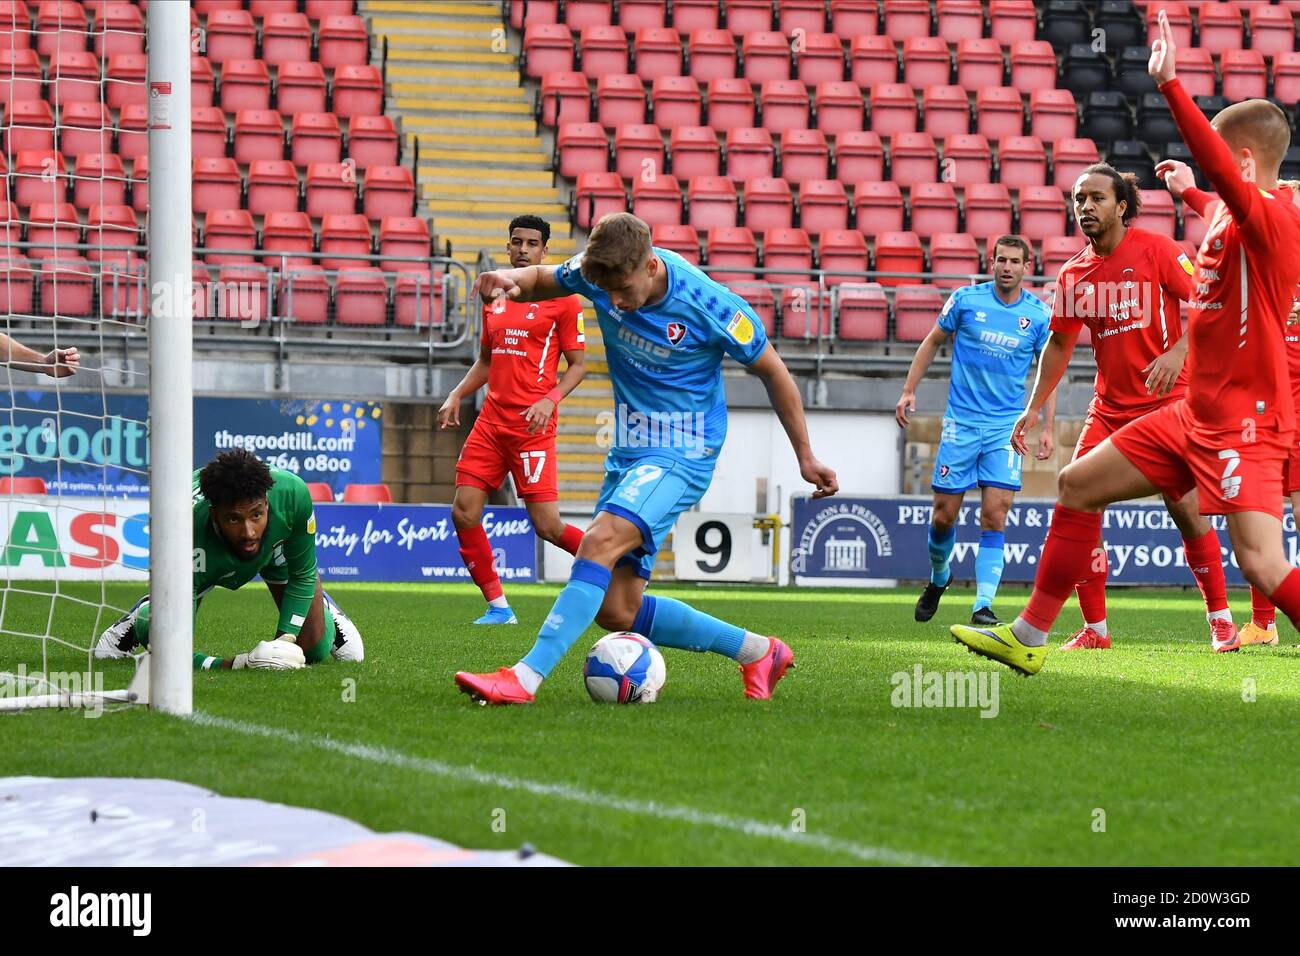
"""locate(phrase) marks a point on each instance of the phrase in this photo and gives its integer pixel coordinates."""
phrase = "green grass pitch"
(1156, 752)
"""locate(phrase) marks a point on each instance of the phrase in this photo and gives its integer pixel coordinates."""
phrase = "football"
(624, 668)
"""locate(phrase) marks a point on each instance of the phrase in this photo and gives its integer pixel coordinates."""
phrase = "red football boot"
(1224, 637)
(1087, 639)
(499, 687)
(762, 675)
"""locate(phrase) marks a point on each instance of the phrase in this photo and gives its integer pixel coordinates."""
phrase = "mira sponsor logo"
(78, 909)
(999, 339)
(636, 343)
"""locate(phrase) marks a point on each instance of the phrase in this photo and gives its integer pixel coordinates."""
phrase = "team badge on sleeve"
(311, 523)
(740, 328)
(1186, 263)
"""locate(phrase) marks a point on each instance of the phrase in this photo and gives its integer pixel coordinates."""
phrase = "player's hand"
(1163, 371)
(905, 406)
(1161, 64)
(1294, 317)
(449, 414)
(490, 286)
(60, 363)
(1046, 444)
(1177, 177)
(278, 655)
(1022, 427)
(538, 415)
(823, 476)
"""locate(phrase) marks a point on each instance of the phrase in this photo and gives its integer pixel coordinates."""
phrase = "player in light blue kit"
(666, 327)
(997, 328)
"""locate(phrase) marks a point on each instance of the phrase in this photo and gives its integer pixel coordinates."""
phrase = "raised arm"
(529, 284)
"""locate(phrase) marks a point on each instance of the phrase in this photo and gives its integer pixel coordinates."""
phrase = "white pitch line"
(604, 801)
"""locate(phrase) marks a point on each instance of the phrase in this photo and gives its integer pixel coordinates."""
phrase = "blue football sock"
(571, 614)
(670, 623)
(988, 567)
(940, 554)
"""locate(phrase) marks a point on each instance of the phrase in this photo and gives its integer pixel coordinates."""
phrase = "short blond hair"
(619, 245)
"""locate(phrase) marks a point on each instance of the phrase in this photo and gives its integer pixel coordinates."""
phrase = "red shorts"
(1291, 472)
(1231, 472)
(491, 451)
(1098, 425)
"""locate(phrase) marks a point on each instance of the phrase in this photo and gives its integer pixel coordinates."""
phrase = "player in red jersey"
(1230, 437)
(515, 432)
(1125, 285)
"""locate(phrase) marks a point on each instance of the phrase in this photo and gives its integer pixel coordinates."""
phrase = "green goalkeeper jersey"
(287, 555)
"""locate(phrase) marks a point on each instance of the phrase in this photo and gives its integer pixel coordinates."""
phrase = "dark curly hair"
(531, 222)
(234, 476)
(1124, 185)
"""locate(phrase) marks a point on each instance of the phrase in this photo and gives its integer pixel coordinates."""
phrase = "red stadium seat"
(1052, 115)
(638, 151)
(111, 230)
(657, 201)
(960, 19)
(955, 254)
(259, 134)
(29, 124)
(913, 158)
(677, 101)
(620, 99)
(862, 312)
(419, 299)
(839, 108)
(999, 112)
(947, 110)
(1286, 76)
(731, 103)
(388, 191)
(980, 63)
(286, 38)
(732, 247)
(907, 18)
(1158, 211)
(406, 236)
(1022, 161)
(286, 231)
(695, 15)
(821, 59)
(1042, 212)
(565, 98)
(766, 56)
(898, 252)
(208, 134)
(548, 47)
(1012, 20)
(893, 108)
(85, 128)
(53, 224)
(1058, 250)
(683, 240)
(934, 208)
(1070, 157)
(217, 184)
(1180, 20)
(658, 52)
(1272, 30)
(805, 313)
(748, 16)
(1220, 27)
(133, 135)
(319, 9)
(66, 286)
(711, 201)
(843, 250)
(126, 81)
(228, 229)
(100, 178)
(231, 35)
(344, 235)
(272, 184)
(60, 25)
(1033, 65)
(119, 28)
(342, 39)
(879, 207)
(712, 54)
(304, 295)
(315, 138)
(76, 77)
(927, 61)
(750, 154)
(853, 18)
(582, 148)
(245, 85)
(20, 74)
(916, 308)
(768, 204)
(804, 155)
(636, 15)
(367, 494)
(360, 296)
(1245, 75)
(23, 484)
(358, 91)
(823, 206)
(1196, 71)
(16, 275)
(203, 7)
(859, 157)
(140, 184)
(331, 189)
(39, 177)
(597, 194)
(372, 141)
(787, 249)
(872, 60)
(580, 14)
(694, 151)
(604, 50)
(300, 88)
(539, 11)
(806, 15)
(320, 491)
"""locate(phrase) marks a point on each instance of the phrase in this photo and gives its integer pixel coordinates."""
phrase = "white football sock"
(1027, 634)
(753, 647)
(499, 602)
(529, 679)
(1099, 627)
(1224, 615)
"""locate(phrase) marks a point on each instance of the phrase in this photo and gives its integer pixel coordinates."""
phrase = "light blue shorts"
(651, 491)
(975, 455)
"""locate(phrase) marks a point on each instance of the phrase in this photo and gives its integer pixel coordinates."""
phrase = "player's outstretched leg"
(1091, 589)
(476, 552)
(1205, 560)
(1262, 628)
(942, 537)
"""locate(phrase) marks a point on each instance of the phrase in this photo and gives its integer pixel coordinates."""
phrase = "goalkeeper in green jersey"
(250, 519)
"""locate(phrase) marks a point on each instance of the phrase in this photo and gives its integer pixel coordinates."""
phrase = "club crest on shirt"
(676, 331)
(1024, 322)
(943, 471)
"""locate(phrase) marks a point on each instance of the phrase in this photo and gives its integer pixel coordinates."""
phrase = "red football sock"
(571, 538)
(1262, 611)
(1287, 597)
(477, 555)
(1205, 560)
(1092, 590)
(1066, 553)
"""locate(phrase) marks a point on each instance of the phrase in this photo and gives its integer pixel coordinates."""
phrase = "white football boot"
(119, 640)
(347, 639)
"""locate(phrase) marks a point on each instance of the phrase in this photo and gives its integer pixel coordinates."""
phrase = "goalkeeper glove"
(278, 655)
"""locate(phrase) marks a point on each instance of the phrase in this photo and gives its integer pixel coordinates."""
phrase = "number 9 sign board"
(714, 547)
